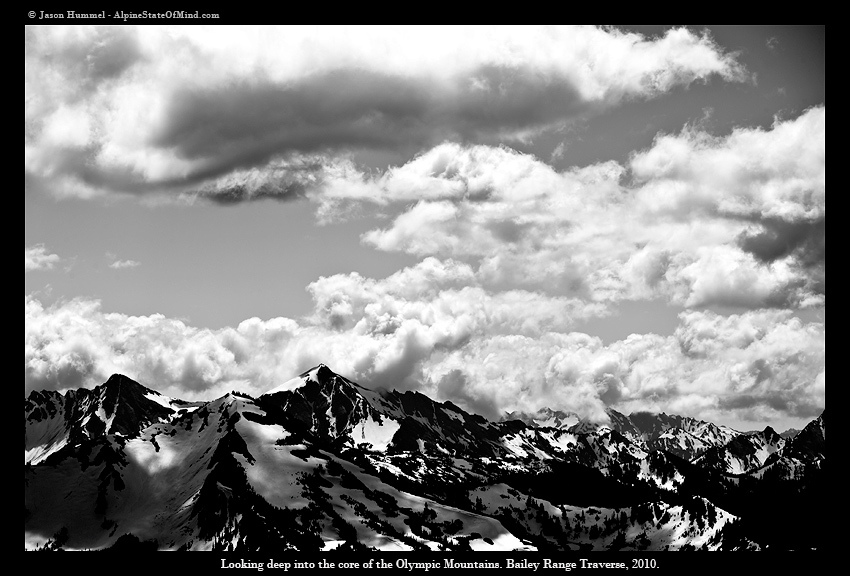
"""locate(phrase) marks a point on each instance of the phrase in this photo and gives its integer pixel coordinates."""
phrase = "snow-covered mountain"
(686, 437)
(322, 463)
(545, 418)
(120, 406)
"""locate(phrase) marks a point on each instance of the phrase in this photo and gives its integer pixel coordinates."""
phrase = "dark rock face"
(42, 405)
(127, 401)
(323, 409)
(652, 425)
(809, 444)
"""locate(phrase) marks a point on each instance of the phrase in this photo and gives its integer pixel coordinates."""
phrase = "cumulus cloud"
(516, 372)
(778, 173)
(767, 362)
(697, 219)
(398, 323)
(232, 115)
(444, 296)
(36, 257)
(758, 366)
(75, 343)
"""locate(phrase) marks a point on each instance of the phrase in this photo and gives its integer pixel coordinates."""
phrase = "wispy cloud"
(119, 264)
(36, 257)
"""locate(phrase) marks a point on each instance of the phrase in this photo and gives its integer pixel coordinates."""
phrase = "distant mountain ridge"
(545, 418)
(686, 437)
(323, 463)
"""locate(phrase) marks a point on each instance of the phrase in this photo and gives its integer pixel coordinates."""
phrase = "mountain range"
(322, 463)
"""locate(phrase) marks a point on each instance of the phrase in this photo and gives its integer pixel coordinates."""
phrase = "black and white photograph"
(409, 292)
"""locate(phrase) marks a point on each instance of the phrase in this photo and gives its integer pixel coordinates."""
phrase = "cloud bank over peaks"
(193, 110)
(423, 329)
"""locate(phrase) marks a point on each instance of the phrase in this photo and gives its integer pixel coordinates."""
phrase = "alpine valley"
(321, 463)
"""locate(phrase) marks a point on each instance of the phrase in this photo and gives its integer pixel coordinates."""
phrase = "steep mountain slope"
(809, 445)
(744, 453)
(680, 435)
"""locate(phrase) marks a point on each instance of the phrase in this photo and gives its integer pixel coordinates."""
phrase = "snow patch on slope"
(377, 434)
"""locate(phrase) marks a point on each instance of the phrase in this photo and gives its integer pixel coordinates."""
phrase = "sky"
(510, 218)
